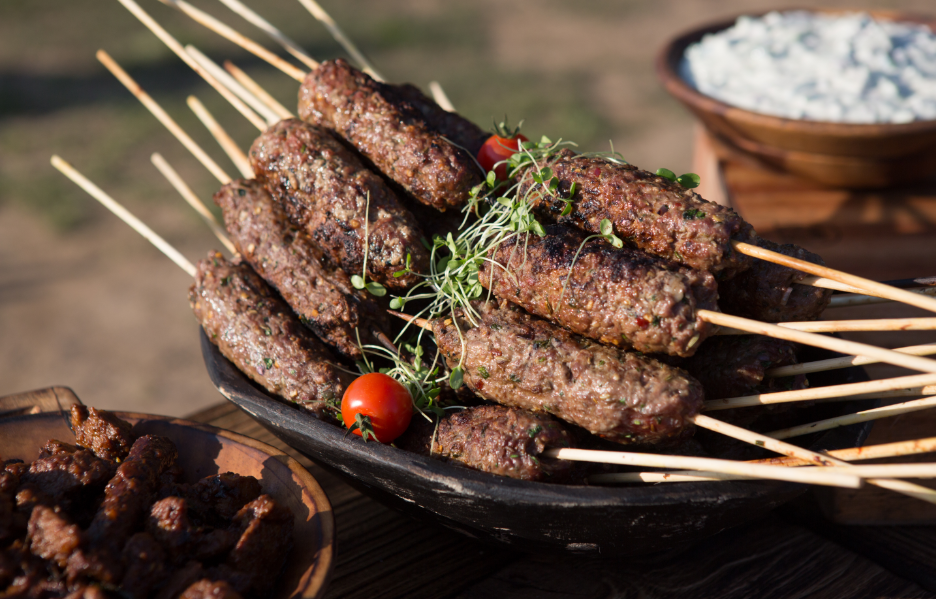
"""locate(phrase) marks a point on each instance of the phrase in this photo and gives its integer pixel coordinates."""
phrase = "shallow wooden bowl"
(836, 154)
(204, 451)
(629, 520)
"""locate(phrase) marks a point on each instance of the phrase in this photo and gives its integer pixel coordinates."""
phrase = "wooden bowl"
(204, 451)
(836, 154)
(631, 520)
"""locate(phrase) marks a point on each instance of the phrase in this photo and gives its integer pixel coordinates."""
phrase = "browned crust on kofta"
(390, 132)
(769, 292)
(258, 332)
(648, 212)
(324, 188)
(619, 297)
(287, 258)
(452, 125)
(505, 441)
(519, 360)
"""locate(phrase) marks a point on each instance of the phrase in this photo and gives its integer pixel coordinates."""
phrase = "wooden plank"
(770, 559)
(50, 399)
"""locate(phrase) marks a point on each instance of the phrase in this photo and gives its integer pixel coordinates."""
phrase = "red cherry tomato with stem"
(383, 399)
(496, 149)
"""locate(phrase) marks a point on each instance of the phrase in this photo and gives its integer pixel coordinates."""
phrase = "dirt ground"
(85, 302)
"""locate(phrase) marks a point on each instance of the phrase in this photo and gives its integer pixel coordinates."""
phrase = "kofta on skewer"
(518, 360)
(347, 210)
(286, 257)
(621, 297)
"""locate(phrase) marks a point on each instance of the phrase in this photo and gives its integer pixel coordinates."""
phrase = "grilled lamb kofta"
(347, 210)
(620, 297)
(393, 134)
(522, 361)
(258, 332)
(287, 258)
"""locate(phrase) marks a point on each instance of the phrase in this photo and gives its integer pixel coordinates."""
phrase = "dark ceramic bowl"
(26, 423)
(837, 154)
(529, 516)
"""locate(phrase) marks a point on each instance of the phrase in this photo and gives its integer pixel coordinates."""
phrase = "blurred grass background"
(85, 302)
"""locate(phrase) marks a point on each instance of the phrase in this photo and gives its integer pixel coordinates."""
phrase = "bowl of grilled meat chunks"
(99, 504)
(568, 339)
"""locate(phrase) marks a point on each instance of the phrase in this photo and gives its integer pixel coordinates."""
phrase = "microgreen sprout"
(360, 281)
(687, 180)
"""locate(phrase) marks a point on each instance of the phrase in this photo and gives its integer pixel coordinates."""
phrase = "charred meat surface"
(620, 297)
(648, 212)
(265, 539)
(126, 500)
(103, 433)
(522, 361)
(505, 441)
(452, 125)
(287, 258)
(52, 536)
(326, 190)
(393, 134)
(258, 332)
(769, 292)
(734, 365)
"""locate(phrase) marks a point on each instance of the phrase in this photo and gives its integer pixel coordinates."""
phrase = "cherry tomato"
(498, 148)
(384, 399)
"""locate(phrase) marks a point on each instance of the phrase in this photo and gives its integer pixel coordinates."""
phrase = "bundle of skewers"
(545, 307)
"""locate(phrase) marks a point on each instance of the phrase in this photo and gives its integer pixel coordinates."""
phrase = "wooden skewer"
(186, 192)
(225, 79)
(136, 224)
(863, 416)
(870, 452)
(866, 285)
(277, 35)
(831, 343)
(843, 301)
(229, 146)
(898, 393)
(846, 361)
(323, 17)
(832, 391)
(839, 478)
(440, 97)
(244, 42)
(167, 121)
(254, 88)
(824, 283)
(176, 47)
(841, 326)
(163, 117)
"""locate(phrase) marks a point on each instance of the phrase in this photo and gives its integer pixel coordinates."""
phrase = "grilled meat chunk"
(326, 190)
(100, 431)
(505, 441)
(265, 540)
(768, 291)
(393, 134)
(287, 258)
(519, 360)
(620, 297)
(648, 212)
(258, 332)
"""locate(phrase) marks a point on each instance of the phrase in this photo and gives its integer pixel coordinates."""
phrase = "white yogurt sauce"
(847, 68)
